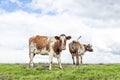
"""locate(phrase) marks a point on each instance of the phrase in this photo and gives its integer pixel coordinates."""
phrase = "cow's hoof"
(77, 63)
(61, 68)
(31, 65)
(50, 69)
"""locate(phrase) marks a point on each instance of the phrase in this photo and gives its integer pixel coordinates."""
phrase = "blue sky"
(97, 21)
(14, 5)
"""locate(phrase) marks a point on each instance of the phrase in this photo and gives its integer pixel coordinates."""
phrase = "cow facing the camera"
(51, 46)
(77, 49)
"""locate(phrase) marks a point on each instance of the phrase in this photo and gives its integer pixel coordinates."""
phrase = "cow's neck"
(85, 48)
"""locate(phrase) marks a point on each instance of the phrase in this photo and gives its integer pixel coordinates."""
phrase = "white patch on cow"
(81, 51)
(32, 47)
(52, 41)
(62, 38)
(43, 51)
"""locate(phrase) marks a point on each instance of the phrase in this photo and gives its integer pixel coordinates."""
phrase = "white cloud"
(91, 9)
(57, 6)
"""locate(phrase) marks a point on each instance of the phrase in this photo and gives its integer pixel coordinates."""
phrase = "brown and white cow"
(47, 46)
(77, 49)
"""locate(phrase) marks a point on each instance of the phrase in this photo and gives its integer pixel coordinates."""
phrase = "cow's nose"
(92, 50)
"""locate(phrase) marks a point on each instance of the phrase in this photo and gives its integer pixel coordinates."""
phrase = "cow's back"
(40, 41)
(74, 46)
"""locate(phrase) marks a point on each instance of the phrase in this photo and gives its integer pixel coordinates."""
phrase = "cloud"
(90, 19)
(90, 9)
(105, 38)
(92, 13)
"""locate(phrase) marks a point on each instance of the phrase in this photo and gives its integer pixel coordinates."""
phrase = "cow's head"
(88, 48)
(63, 38)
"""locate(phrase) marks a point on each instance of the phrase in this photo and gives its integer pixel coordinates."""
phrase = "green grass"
(70, 72)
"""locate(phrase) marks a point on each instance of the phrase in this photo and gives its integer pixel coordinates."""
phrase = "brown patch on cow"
(41, 42)
(31, 40)
(62, 35)
(57, 47)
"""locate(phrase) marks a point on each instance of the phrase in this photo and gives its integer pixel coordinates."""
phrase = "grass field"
(70, 72)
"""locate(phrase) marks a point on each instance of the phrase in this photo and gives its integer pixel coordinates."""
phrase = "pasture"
(70, 72)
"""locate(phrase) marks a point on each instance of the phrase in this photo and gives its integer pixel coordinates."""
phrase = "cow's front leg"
(50, 60)
(59, 62)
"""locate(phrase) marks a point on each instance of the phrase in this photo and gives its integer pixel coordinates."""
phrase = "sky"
(97, 21)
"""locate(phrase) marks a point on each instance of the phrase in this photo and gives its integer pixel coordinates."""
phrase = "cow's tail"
(79, 38)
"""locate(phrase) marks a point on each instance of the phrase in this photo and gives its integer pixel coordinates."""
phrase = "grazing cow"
(77, 49)
(47, 46)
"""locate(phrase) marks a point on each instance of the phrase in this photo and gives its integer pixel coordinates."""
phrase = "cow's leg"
(50, 60)
(77, 58)
(31, 55)
(81, 59)
(59, 62)
(73, 58)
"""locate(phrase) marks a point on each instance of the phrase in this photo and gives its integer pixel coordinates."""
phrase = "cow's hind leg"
(73, 58)
(59, 62)
(77, 58)
(81, 59)
(31, 55)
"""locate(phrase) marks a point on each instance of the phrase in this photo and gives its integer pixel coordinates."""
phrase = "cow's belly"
(41, 52)
(80, 54)
(44, 52)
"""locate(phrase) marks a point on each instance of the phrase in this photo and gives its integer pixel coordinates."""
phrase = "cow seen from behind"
(77, 49)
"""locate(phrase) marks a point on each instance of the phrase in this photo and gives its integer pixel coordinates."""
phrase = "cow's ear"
(57, 37)
(90, 45)
(68, 37)
(84, 45)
